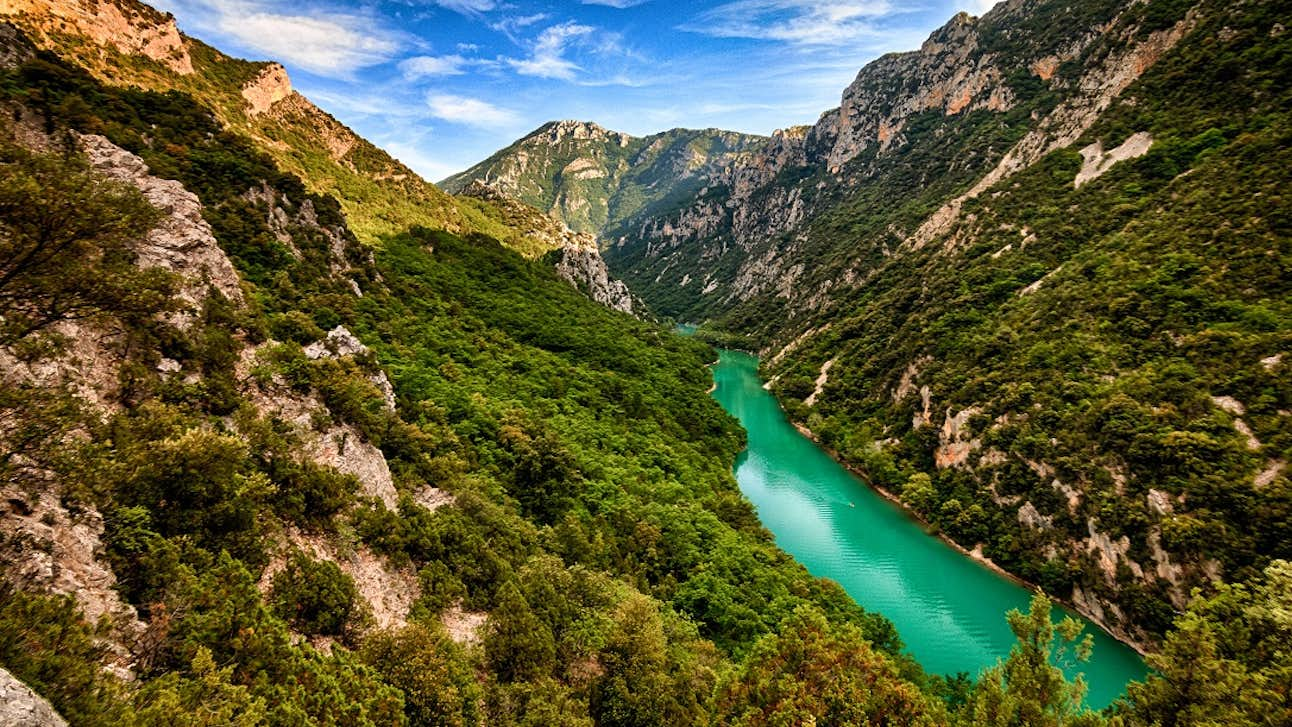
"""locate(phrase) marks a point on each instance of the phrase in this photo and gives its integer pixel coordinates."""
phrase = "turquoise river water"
(949, 609)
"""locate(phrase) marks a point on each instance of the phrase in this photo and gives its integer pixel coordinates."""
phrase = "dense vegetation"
(595, 516)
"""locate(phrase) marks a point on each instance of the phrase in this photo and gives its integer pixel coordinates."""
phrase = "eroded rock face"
(133, 29)
(584, 269)
(1095, 161)
(182, 241)
(266, 89)
(45, 547)
(21, 707)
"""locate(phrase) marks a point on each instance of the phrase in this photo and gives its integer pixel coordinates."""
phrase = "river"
(949, 609)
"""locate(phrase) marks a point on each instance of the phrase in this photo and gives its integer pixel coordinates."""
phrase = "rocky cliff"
(21, 707)
(53, 542)
(131, 28)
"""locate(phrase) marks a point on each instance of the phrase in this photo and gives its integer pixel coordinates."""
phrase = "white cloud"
(468, 7)
(423, 66)
(621, 4)
(327, 43)
(469, 111)
(800, 22)
(548, 57)
(977, 7)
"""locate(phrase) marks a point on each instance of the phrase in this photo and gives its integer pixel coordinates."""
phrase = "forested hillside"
(1088, 360)
(267, 474)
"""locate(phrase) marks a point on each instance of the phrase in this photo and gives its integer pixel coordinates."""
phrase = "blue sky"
(442, 84)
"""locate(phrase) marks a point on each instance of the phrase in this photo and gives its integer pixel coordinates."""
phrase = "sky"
(442, 84)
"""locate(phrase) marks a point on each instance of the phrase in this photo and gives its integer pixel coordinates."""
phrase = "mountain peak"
(557, 131)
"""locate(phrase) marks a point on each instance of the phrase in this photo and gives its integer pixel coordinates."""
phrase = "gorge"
(290, 435)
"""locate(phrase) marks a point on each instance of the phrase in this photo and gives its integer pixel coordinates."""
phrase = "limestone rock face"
(583, 268)
(266, 89)
(45, 547)
(21, 707)
(753, 219)
(182, 242)
(132, 29)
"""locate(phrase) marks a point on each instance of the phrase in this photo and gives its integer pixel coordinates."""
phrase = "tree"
(207, 699)
(520, 647)
(65, 234)
(1228, 661)
(423, 662)
(1027, 689)
(813, 672)
(315, 597)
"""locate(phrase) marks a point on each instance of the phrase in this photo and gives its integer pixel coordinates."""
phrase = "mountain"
(122, 41)
(598, 181)
(127, 42)
(1031, 278)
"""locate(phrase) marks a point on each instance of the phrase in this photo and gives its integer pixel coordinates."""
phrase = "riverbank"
(947, 605)
(976, 553)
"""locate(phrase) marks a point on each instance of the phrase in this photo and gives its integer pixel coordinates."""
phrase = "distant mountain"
(600, 181)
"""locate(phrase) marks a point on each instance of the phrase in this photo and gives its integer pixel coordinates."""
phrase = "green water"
(949, 610)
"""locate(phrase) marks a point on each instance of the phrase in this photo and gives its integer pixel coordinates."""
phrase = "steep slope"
(597, 181)
(1042, 261)
(304, 481)
(573, 254)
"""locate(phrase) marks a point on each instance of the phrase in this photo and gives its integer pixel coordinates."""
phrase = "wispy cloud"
(324, 44)
(621, 4)
(417, 67)
(327, 43)
(547, 59)
(469, 111)
(468, 7)
(801, 22)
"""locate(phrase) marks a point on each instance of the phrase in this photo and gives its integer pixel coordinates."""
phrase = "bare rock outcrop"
(46, 547)
(1095, 161)
(182, 242)
(130, 28)
(954, 442)
(269, 87)
(22, 707)
(586, 270)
